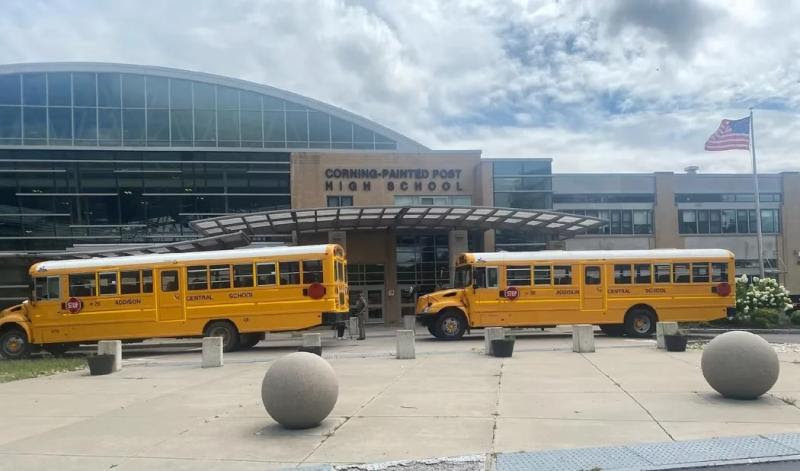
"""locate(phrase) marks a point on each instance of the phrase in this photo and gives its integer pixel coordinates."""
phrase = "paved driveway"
(163, 411)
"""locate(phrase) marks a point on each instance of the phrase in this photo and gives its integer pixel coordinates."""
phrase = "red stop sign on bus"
(512, 293)
(73, 305)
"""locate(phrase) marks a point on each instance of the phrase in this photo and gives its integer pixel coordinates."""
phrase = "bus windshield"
(463, 276)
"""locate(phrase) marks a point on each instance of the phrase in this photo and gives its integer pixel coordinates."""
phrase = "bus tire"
(450, 325)
(249, 340)
(613, 330)
(226, 330)
(14, 344)
(640, 322)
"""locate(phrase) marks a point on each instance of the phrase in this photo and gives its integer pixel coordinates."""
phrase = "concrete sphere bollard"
(299, 390)
(740, 365)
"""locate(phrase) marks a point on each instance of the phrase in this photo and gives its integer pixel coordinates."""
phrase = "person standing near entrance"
(362, 311)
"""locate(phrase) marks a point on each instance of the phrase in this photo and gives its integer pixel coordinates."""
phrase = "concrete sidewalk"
(165, 412)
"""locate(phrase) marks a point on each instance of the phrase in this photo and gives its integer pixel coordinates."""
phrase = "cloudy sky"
(624, 85)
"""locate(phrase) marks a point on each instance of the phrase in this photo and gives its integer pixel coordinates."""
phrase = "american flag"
(731, 134)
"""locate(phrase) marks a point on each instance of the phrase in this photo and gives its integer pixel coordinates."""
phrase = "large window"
(110, 108)
(46, 287)
(82, 284)
(621, 221)
(727, 221)
(518, 275)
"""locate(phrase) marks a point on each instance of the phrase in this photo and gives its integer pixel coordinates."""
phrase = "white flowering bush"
(761, 301)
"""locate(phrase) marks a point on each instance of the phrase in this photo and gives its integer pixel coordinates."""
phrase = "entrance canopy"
(397, 217)
(221, 242)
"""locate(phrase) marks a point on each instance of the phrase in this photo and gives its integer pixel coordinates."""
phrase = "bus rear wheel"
(640, 323)
(450, 325)
(613, 330)
(226, 330)
(14, 344)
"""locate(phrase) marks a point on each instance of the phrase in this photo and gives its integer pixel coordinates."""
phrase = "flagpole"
(757, 196)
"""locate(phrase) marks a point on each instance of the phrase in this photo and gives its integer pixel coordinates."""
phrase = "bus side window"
(663, 273)
(518, 275)
(312, 271)
(197, 277)
(243, 276)
(147, 281)
(129, 282)
(541, 275)
(642, 274)
(108, 282)
(622, 274)
(680, 272)
(592, 276)
(562, 275)
(169, 281)
(719, 272)
(220, 276)
(82, 284)
(491, 277)
(699, 272)
(289, 273)
(265, 274)
(479, 277)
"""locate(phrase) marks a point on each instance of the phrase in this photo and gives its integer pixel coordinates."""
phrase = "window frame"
(47, 285)
(92, 285)
(273, 274)
(122, 283)
(619, 275)
(177, 280)
(657, 276)
(236, 276)
(701, 265)
(320, 271)
(195, 285)
(540, 280)
(636, 275)
(294, 274)
(219, 269)
(724, 271)
(598, 278)
(515, 270)
(675, 272)
(567, 275)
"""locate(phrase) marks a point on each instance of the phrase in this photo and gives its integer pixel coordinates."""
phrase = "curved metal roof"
(398, 217)
(404, 143)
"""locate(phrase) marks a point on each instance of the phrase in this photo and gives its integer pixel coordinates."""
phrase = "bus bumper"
(334, 318)
(730, 312)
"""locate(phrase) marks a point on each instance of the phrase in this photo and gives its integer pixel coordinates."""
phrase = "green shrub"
(795, 317)
(764, 318)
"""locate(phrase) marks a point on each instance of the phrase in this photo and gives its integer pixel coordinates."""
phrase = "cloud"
(632, 85)
(680, 23)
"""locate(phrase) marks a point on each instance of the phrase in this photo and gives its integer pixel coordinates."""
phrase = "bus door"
(169, 295)
(484, 300)
(593, 288)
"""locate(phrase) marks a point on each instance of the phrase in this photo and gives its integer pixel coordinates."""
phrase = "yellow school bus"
(234, 294)
(623, 291)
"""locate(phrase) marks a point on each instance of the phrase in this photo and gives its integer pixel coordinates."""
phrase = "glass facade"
(525, 184)
(132, 110)
(52, 199)
(728, 221)
(620, 221)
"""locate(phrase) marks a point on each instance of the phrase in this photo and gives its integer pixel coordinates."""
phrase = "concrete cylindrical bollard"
(583, 338)
(212, 352)
(662, 329)
(111, 347)
(409, 322)
(492, 333)
(312, 339)
(405, 345)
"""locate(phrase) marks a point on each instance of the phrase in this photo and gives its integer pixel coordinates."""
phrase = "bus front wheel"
(226, 330)
(450, 325)
(14, 344)
(640, 323)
